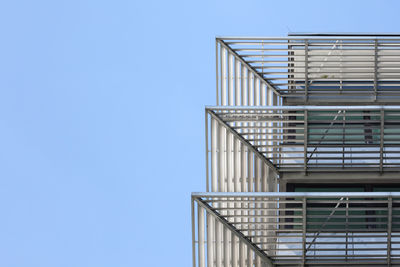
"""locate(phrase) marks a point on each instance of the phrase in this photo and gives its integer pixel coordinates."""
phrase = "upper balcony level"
(320, 69)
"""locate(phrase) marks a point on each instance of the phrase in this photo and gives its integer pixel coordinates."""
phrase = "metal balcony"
(315, 69)
(304, 113)
(292, 229)
(317, 138)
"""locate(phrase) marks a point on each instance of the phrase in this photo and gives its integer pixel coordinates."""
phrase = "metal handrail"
(296, 194)
(306, 107)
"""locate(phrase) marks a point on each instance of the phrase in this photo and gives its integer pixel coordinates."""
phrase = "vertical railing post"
(389, 234)
(216, 70)
(375, 70)
(304, 230)
(193, 236)
(223, 75)
(344, 138)
(238, 82)
(381, 140)
(207, 151)
(306, 70)
(210, 240)
(347, 227)
(218, 243)
(305, 140)
(214, 154)
(262, 60)
(231, 78)
(201, 235)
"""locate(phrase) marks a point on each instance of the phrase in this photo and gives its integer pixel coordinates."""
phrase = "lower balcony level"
(296, 229)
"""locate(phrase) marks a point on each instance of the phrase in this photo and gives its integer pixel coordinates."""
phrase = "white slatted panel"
(213, 251)
(237, 84)
(233, 166)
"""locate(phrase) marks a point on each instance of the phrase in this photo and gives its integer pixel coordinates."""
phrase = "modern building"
(303, 153)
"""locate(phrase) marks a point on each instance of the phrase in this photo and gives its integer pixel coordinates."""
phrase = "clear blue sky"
(102, 119)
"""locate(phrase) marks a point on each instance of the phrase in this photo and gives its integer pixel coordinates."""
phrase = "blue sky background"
(102, 119)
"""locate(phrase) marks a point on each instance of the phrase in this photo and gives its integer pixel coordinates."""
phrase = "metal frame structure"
(310, 110)
(311, 69)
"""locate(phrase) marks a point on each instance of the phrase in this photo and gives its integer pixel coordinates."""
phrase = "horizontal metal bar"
(296, 194)
(294, 108)
(324, 38)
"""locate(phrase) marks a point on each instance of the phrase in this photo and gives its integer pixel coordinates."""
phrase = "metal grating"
(311, 69)
(319, 138)
(307, 228)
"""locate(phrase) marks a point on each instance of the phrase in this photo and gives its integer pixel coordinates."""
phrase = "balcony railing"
(297, 228)
(311, 69)
(316, 138)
